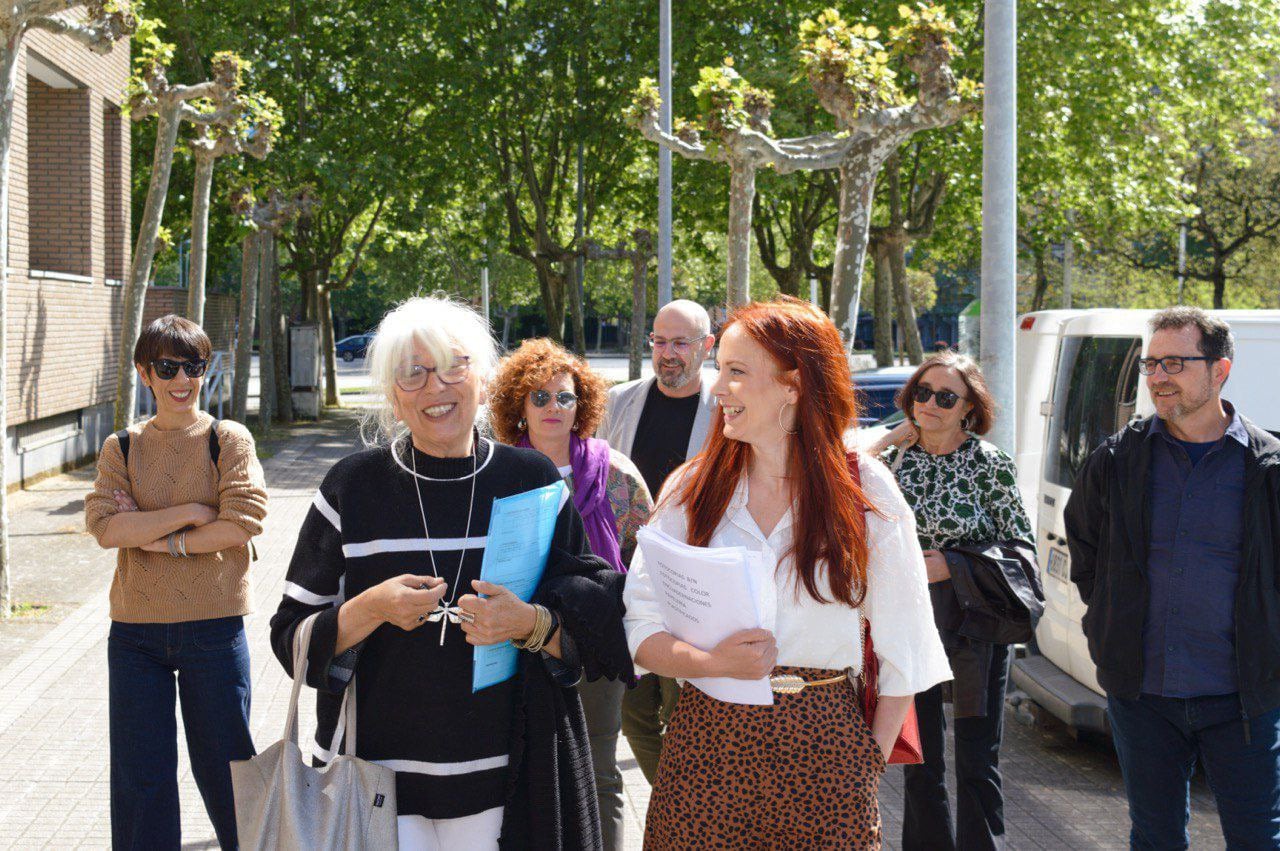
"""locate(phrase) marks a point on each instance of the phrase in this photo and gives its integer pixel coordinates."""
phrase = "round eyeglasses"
(414, 377)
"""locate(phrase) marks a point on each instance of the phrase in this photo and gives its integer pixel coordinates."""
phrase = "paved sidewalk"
(53, 687)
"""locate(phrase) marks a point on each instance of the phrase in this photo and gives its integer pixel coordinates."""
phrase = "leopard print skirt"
(802, 773)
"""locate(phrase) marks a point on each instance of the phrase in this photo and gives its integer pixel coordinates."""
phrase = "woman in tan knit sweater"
(179, 495)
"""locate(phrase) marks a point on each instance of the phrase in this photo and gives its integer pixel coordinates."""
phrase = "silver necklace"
(445, 611)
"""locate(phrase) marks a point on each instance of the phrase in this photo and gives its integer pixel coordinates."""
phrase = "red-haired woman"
(774, 478)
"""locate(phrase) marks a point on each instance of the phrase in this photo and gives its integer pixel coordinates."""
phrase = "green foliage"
(151, 58)
(923, 28)
(849, 58)
(728, 103)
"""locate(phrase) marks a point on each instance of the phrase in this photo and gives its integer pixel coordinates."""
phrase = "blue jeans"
(1158, 740)
(211, 661)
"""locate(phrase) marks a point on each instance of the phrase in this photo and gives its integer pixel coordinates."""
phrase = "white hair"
(438, 324)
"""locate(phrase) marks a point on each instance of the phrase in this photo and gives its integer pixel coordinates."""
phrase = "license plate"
(1058, 564)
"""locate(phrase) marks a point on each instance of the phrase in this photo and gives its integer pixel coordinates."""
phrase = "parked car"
(350, 348)
(1092, 389)
(877, 390)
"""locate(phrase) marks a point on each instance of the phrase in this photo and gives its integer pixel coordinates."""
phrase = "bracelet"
(182, 543)
(173, 547)
(541, 631)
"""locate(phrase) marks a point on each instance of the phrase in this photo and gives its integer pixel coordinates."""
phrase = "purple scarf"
(590, 462)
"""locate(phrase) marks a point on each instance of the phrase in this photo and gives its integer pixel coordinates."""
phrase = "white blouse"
(824, 635)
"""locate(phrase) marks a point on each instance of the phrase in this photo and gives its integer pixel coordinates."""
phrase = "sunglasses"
(945, 398)
(168, 369)
(415, 377)
(564, 399)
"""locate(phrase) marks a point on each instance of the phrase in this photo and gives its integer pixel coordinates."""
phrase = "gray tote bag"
(282, 803)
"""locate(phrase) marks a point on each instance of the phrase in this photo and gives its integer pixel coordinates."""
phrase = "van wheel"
(348, 357)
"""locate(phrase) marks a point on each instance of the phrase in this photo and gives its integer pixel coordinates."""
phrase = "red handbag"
(907, 749)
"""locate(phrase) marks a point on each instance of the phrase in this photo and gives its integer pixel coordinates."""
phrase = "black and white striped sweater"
(451, 749)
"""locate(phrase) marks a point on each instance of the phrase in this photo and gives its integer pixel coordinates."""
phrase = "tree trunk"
(135, 289)
(742, 193)
(1219, 275)
(506, 327)
(332, 398)
(552, 283)
(599, 333)
(280, 325)
(883, 307)
(575, 309)
(199, 238)
(639, 291)
(907, 326)
(266, 342)
(1042, 279)
(857, 189)
(9, 62)
(248, 315)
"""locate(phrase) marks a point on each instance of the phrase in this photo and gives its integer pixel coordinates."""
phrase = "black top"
(662, 435)
(453, 748)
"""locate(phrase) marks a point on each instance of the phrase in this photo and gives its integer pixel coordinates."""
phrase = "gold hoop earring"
(785, 430)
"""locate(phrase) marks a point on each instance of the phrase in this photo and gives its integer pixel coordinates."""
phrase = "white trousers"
(473, 833)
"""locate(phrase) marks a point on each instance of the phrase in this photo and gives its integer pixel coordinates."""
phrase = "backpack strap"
(214, 448)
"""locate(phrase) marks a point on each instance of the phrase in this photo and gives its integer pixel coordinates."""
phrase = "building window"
(59, 155)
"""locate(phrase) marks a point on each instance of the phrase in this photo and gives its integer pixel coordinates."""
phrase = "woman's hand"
(748, 654)
(406, 600)
(124, 502)
(935, 566)
(496, 617)
(903, 435)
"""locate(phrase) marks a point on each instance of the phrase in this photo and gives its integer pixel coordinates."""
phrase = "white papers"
(706, 595)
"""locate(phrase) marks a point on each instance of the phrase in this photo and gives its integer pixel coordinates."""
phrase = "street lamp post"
(664, 155)
(1000, 215)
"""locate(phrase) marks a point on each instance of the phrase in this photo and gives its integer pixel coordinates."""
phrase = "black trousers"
(979, 822)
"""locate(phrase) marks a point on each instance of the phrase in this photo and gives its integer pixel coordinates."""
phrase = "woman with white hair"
(389, 557)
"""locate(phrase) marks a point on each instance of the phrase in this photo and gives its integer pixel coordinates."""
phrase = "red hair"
(829, 505)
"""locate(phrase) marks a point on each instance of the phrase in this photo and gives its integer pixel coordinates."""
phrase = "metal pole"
(664, 155)
(815, 295)
(999, 216)
(1182, 261)
(1068, 258)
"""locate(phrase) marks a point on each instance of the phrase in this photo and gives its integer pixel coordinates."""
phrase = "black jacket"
(993, 597)
(1108, 519)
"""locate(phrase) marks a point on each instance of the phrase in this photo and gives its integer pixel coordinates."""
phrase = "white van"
(1095, 391)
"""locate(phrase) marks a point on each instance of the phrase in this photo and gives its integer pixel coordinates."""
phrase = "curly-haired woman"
(547, 398)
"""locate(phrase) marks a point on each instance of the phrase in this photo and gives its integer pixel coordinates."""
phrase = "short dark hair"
(1216, 339)
(171, 335)
(983, 415)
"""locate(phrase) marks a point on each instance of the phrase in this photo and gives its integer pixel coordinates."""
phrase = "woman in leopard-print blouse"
(964, 493)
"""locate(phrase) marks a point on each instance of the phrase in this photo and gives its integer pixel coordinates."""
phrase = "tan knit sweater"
(168, 468)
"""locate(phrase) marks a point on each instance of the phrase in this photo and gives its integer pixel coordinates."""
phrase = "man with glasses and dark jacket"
(659, 423)
(1174, 532)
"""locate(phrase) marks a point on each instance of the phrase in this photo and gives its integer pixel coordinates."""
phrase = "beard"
(674, 374)
(1190, 399)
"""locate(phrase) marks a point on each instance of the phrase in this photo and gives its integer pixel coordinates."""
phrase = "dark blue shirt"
(1196, 493)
